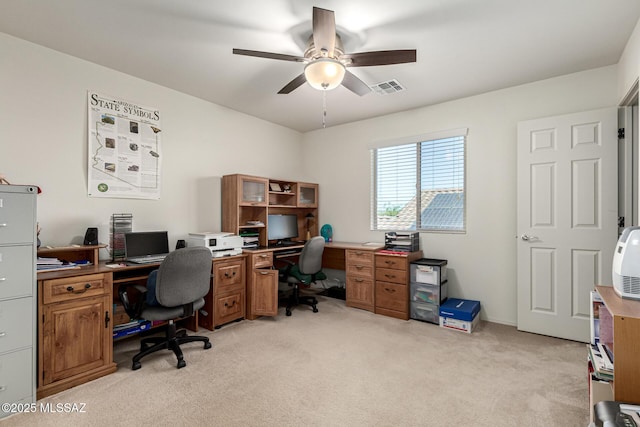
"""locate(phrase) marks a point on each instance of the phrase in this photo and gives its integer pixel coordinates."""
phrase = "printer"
(220, 244)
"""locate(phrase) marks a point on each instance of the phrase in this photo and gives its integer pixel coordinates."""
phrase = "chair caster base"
(136, 366)
(207, 345)
(288, 312)
(315, 310)
(181, 364)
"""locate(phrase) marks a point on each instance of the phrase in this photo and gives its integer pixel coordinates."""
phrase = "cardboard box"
(459, 325)
(460, 314)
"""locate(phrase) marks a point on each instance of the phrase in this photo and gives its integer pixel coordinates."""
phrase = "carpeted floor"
(340, 367)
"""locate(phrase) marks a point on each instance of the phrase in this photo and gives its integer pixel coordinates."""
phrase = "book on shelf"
(602, 369)
(139, 326)
(56, 267)
(48, 261)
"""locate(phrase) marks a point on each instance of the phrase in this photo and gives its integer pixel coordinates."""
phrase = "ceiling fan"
(326, 61)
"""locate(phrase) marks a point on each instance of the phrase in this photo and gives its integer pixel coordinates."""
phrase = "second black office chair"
(306, 271)
(182, 282)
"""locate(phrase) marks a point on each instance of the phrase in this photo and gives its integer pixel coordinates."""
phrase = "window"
(419, 185)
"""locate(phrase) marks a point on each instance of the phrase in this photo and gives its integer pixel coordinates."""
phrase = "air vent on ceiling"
(388, 87)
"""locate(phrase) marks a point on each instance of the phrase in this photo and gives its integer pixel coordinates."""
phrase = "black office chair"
(182, 282)
(306, 271)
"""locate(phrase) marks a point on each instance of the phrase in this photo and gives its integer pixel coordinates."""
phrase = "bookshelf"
(626, 344)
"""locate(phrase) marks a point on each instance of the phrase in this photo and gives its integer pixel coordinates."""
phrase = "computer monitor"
(146, 243)
(282, 227)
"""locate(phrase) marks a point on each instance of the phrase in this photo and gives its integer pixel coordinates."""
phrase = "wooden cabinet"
(392, 284)
(17, 294)
(307, 195)
(262, 286)
(225, 301)
(75, 339)
(360, 292)
(245, 201)
(248, 200)
(626, 345)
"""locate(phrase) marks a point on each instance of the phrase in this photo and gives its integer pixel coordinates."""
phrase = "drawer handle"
(264, 272)
(3, 334)
(390, 262)
(232, 304)
(87, 286)
(3, 387)
(358, 252)
(264, 256)
(389, 290)
(227, 275)
(359, 267)
(359, 280)
(390, 276)
(3, 225)
(2, 279)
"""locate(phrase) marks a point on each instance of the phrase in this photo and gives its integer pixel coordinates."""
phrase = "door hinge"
(621, 222)
(106, 319)
(621, 133)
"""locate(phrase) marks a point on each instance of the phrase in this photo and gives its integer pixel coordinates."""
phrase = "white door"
(567, 219)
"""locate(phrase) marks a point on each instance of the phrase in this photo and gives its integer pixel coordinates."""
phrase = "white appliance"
(220, 244)
(626, 264)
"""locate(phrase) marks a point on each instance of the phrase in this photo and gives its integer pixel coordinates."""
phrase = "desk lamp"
(308, 219)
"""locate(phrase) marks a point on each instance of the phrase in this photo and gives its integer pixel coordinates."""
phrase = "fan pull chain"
(324, 109)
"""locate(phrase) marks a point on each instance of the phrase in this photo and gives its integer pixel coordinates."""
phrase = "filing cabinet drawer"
(359, 257)
(16, 376)
(390, 275)
(391, 296)
(261, 260)
(392, 262)
(17, 217)
(228, 275)
(360, 270)
(16, 271)
(229, 306)
(71, 288)
(14, 335)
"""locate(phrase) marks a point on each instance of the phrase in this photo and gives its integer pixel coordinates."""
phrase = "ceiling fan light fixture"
(324, 73)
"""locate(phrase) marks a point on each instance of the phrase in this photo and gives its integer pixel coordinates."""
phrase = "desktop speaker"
(91, 236)
(181, 244)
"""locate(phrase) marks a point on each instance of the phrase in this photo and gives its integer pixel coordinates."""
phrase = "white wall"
(629, 64)
(482, 262)
(43, 141)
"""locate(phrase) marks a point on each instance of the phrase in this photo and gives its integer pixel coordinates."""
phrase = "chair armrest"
(132, 307)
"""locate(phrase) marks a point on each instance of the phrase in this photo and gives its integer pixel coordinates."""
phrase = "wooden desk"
(76, 314)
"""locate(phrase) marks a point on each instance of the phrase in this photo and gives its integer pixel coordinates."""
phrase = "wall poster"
(124, 147)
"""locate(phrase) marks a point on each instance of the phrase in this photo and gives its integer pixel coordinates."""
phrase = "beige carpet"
(340, 367)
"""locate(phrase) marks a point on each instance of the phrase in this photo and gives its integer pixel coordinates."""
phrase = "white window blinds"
(419, 186)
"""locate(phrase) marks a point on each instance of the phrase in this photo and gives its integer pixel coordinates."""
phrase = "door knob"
(528, 238)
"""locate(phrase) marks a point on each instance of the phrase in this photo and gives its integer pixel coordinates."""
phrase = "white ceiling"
(464, 47)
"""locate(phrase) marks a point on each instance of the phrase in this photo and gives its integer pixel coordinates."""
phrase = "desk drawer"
(391, 262)
(261, 260)
(390, 275)
(360, 270)
(17, 217)
(16, 334)
(228, 275)
(354, 256)
(229, 306)
(72, 288)
(16, 271)
(392, 296)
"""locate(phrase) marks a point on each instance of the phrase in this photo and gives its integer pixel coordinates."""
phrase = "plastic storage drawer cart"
(428, 288)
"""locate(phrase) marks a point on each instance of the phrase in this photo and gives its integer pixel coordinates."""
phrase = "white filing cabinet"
(17, 294)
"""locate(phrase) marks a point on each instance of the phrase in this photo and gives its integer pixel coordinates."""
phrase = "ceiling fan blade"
(324, 31)
(293, 84)
(354, 84)
(268, 55)
(381, 57)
